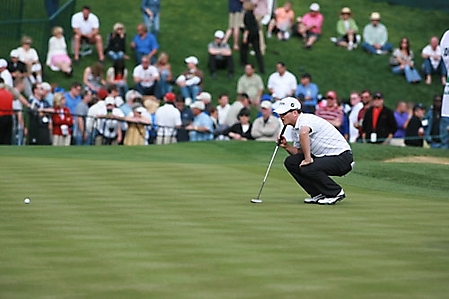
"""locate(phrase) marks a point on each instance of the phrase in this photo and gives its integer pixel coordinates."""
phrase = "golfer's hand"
(305, 162)
(282, 142)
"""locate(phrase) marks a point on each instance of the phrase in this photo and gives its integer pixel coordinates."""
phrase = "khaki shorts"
(236, 20)
(166, 139)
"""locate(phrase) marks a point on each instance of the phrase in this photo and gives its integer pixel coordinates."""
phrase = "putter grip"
(280, 135)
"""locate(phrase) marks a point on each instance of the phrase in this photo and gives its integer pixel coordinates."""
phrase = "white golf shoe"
(332, 200)
(314, 199)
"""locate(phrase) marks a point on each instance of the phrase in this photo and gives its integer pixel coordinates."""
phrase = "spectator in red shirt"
(332, 111)
(6, 115)
(379, 123)
(62, 121)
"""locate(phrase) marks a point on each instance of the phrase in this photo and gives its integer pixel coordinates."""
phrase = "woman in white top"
(30, 57)
(57, 57)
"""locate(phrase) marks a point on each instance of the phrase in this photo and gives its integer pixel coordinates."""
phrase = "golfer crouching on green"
(319, 150)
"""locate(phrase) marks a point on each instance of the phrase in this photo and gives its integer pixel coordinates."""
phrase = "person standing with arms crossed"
(318, 151)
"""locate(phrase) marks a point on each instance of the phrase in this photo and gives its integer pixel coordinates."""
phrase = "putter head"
(256, 200)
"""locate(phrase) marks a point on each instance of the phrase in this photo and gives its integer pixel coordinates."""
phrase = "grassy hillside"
(188, 26)
(175, 222)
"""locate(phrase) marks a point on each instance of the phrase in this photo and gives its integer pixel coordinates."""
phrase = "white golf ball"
(27, 200)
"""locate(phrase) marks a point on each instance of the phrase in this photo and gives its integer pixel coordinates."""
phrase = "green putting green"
(176, 222)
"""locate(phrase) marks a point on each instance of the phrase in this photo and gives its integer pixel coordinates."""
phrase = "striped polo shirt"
(325, 139)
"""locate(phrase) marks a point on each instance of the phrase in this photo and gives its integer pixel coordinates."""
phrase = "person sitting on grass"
(57, 57)
(93, 77)
(29, 56)
(433, 62)
(220, 55)
(144, 44)
(117, 74)
(309, 26)
(165, 74)
(116, 43)
(402, 62)
(375, 37)
(190, 81)
(86, 26)
(145, 77)
(347, 30)
(282, 22)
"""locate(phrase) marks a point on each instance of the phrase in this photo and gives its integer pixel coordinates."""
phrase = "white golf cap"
(204, 96)
(109, 101)
(46, 86)
(118, 101)
(198, 105)
(3, 63)
(266, 105)
(314, 7)
(191, 59)
(287, 104)
(219, 34)
(14, 53)
(141, 110)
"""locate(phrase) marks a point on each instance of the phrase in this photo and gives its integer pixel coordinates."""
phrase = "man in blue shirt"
(73, 97)
(307, 94)
(202, 127)
(150, 14)
(144, 43)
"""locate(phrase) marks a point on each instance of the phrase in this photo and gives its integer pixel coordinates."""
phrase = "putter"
(257, 199)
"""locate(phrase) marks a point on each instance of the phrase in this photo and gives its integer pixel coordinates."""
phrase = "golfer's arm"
(304, 139)
(292, 150)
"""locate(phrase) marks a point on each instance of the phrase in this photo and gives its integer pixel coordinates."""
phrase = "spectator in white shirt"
(168, 119)
(223, 108)
(57, 57)
(282, 83)
(357, 105)
(433, 63)
(86, 27)
(146, 77)
(5, 74)
(30, 57)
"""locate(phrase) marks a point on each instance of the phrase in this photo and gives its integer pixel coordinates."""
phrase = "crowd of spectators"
(161, 107)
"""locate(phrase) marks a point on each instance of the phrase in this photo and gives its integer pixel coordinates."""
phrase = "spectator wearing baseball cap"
(17, 68)
(4, 73)
(190, 82)
(379, 123)
(309, 26)
(375, 36)
(266, 127)
(414, 133)
(168, 120)
(318, 152)
(206, 98)
(332, 111)
(202, 127)
(220, 55)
